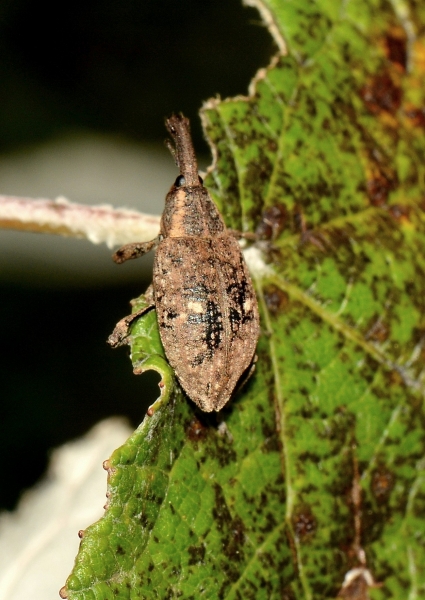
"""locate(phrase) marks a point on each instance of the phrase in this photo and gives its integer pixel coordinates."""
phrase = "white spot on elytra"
(196, 307)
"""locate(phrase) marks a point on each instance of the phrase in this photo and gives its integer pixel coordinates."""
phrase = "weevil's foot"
(121, 332)
(247, 235)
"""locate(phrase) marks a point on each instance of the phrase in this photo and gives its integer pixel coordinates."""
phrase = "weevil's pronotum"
(202, 292)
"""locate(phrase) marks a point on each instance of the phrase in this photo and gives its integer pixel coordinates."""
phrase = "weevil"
(203, 295)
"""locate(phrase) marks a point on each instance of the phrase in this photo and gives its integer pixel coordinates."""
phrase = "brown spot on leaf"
(81, 534)
(378, 189)
(196, 430)
(395, 47)
(382, 484)
(381, 93)
(415, 114)
(304, 522)
(276, 299)
(400, 213)
(63, 592)
(378, 332)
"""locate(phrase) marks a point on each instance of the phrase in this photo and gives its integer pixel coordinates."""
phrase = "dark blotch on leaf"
(197, 554)
(377, 332)
(378, 190)
(231, 528)
(373, 522)
(396, 51)
(415, 114)
(304, 522)
(144, 521)
(196, 430)
(220, 511)
(400, 213)
(120, 550)
(381, 93)
(382, 484)
(270, 525)
(309, 456)
(276, 299)
(272, 444)
(236, 542)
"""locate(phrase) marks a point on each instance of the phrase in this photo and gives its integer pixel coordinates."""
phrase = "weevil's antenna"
(171, 148)
(183, 152)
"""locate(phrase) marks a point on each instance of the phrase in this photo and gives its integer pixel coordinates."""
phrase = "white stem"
(98, 224)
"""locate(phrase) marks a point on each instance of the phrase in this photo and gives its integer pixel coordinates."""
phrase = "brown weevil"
(203, 295)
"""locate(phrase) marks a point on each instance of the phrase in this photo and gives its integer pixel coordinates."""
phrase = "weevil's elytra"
(202, 292)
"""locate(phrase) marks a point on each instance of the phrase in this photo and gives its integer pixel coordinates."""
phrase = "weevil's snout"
(184, 154)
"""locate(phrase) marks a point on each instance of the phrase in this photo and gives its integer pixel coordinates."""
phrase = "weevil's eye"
(180, 181)
(201, 181)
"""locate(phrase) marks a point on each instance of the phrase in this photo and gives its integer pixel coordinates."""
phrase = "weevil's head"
(189, 209)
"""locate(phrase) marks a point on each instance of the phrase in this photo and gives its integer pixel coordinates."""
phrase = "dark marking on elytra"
(169, 315)
(203, 295)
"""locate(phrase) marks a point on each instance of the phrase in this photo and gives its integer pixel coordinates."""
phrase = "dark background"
(116, 67)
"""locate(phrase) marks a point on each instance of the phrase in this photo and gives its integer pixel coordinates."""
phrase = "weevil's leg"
(134, 250)
(121, 332)
(252, 237)
(246, 375)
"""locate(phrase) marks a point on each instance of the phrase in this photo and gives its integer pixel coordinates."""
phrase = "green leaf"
(318, 466)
